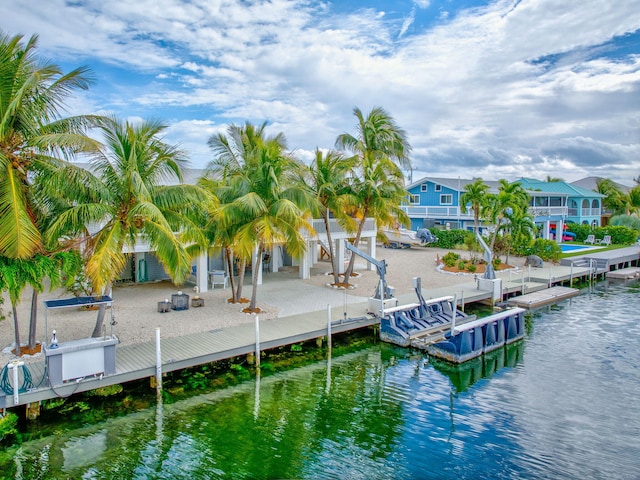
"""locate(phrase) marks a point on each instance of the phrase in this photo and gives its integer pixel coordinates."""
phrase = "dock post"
(571, 275)
(257, 342)
(453, 314)
(462, 301)
(158, 364)
(14, 366)
(329, 328)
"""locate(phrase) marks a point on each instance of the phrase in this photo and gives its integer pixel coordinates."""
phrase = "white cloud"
(478, 89)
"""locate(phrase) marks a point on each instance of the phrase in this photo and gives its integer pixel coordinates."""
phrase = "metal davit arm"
(381, 267)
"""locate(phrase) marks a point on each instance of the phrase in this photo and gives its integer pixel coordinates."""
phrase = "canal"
(562, 403)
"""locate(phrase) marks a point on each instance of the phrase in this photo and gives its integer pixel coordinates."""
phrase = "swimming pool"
(566, 248)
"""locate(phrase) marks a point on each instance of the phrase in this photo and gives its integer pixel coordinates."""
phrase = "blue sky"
(499, 89)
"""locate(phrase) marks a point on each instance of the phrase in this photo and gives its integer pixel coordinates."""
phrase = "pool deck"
(138, 361)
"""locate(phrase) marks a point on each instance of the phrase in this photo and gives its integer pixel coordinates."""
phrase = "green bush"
(547, 250)
(450, 238)
(461, 264)
(8, 423)
(620, 235)
(472, 267)
(450, 259)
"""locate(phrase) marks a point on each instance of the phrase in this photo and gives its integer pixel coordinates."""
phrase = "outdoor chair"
(219, 277)
(604, 241)
(590, 239)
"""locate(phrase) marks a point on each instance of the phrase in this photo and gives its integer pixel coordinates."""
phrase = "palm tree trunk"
(334, 266)
(33, 320)
(229, 257)
(16, 328)
(241, 270)
(356, 241)
(99, 327)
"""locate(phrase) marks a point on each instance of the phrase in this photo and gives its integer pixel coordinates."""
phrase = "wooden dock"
(624, 273)
(138, 361)
(543, 297)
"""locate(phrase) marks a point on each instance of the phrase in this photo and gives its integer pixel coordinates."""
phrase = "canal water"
(564, 403)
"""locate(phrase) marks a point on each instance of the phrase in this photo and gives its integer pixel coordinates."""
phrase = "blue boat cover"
(78, 302)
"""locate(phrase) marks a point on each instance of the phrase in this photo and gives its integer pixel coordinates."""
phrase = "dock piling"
(257, 341)
(158, 364)
(329, 328)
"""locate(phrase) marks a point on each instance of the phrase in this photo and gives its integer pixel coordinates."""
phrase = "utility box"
(81, 358)
(492, 285)
(375, 304)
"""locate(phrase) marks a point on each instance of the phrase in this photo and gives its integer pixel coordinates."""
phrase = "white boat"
(399, 237)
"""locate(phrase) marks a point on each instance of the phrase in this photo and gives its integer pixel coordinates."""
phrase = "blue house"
(435, 203)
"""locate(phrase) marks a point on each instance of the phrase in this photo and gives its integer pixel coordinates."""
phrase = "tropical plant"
(233, 152)
(618, 201)
(33, 136)
(328, 183)
(379, 147)
(124, 198)
(268, 205)
(16, 274)
(510, 202)
(475, 196)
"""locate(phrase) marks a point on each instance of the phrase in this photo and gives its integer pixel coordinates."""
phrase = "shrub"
(462, 264)
(450, 259)
(472, 267)
(451, 238)
(547, 250)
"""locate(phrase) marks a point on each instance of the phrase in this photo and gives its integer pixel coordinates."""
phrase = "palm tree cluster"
(506, 211)
(59, 220)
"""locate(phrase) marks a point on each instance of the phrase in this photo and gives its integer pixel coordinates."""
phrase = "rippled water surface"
(563, 403)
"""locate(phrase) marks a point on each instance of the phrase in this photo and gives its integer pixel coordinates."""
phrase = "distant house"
(435, 202)
(591, 183)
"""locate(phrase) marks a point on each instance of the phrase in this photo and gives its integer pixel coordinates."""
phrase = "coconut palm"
(234, 152)
(34, 136)
(511, 197)
(379, 146)
(475, 195)
(267, 206)
(16, 274)
(125, 196)
(328, 182)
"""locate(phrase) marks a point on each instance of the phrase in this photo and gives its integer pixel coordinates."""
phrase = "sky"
(498, 89)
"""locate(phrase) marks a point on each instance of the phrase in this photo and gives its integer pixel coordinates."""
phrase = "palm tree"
(33, 137)
(267, 205)
(328, 181)
(511, 198)
(475, 195)
(126, 196)
(233, 154)
(379, 146)
(16, 274)
(551, 179)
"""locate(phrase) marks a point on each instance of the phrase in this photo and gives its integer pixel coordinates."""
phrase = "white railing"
(337, 231)
(548, 211)
(436, 212)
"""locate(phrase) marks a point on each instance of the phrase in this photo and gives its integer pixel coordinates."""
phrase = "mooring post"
(329, 328)
(462, 300)
(15, 365)
(158, 364)
(257, 341)
(453, 314)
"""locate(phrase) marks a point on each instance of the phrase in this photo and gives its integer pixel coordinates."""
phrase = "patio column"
(339, 252)
(371, 251)
(202, 274)
(559, 231)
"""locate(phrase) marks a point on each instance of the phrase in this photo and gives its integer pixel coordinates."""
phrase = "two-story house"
(435, 202)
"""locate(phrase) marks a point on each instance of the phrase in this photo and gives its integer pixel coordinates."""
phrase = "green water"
(563, 403)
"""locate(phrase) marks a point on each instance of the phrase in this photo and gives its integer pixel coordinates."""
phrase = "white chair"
(590, 239)
(604, 241)
(218, 277)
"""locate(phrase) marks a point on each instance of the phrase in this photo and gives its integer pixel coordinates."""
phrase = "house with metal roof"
(435, 202)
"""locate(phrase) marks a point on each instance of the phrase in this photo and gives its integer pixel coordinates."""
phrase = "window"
(414, 199)
(438, 188)
(423, 187)
(446, 199)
